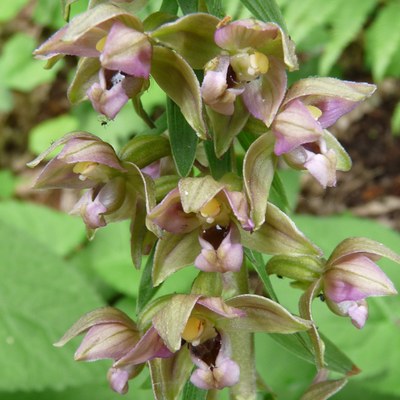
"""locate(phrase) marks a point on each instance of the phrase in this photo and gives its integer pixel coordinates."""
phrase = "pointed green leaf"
(169, 7)
(174, 252)
(278, 194)
(324, 390)
(347, 22)
(383, 39)
(191, 36)
(174, 75)
(258, 172)
(146, 289)
(183, 139)
(218, 166)
(265, 10)
(259, 265)
(214, 7)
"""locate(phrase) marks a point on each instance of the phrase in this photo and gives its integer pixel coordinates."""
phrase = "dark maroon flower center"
(215, 235)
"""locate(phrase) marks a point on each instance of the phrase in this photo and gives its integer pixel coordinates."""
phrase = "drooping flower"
(87, 162)
(252, 64)
(111, 334)
(351, 276)
(311, 105)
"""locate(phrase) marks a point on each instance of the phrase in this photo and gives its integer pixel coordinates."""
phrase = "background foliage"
(50, 273)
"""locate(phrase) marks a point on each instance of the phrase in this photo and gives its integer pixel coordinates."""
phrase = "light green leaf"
(183, 139)
(265, 10)
(50, 130)
(109, 256)
(347, 22)
(7, 184)
(9, 9)
(60, 232)
(19, 69)
(146, 290)
(383, 39)
(174, 75)
(41, 296)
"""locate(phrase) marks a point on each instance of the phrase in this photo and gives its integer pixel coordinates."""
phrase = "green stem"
(243, 350)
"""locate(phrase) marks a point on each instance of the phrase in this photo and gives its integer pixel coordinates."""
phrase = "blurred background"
(50, 274)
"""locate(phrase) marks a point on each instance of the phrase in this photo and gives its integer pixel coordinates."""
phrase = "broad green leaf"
(174, 75)
(265, 10)
(183, 139)
(6, 99)
(218, 166)
(50, 130)
(109, 256)
(9, 9)
(169, 7)
(215, 8)
(7, 184)
(258, 173)
(41, 296)
(58, 231)
(191, 392)
(22, 72)
(347, 22)
(383, 39)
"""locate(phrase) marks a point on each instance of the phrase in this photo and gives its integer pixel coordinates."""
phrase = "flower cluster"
(212, 216)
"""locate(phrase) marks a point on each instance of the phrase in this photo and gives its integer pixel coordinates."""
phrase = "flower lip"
(215, 235)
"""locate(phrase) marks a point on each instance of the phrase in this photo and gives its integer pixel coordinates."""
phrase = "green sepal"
(169, 375)
(208, 284)
(343, 160)
(301, 268)
(145, 149)
(324, 390)
(174, 252)
(258, 173)
(174, 75)
(164, 185)
(192, 36)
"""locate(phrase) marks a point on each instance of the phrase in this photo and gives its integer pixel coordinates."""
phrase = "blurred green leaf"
(188, 6)
(41, 296)
(9, 9)
(265, 10)
(109, 256)
(395, 123)
(19, 69)
(183, 139)
(6, 99)
(58, 231)
(48, 131)
(7, 184)
(146, 289)
(347, 22)
(383, 39)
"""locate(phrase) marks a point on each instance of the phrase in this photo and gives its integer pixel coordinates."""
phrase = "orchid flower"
(311, 105)
(86, 162)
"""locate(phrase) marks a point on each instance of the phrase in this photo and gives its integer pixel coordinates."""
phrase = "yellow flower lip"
(101, 43)
(193, 329)
(259, 63)
(210, 210)
(83, 168)
(315, 112)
